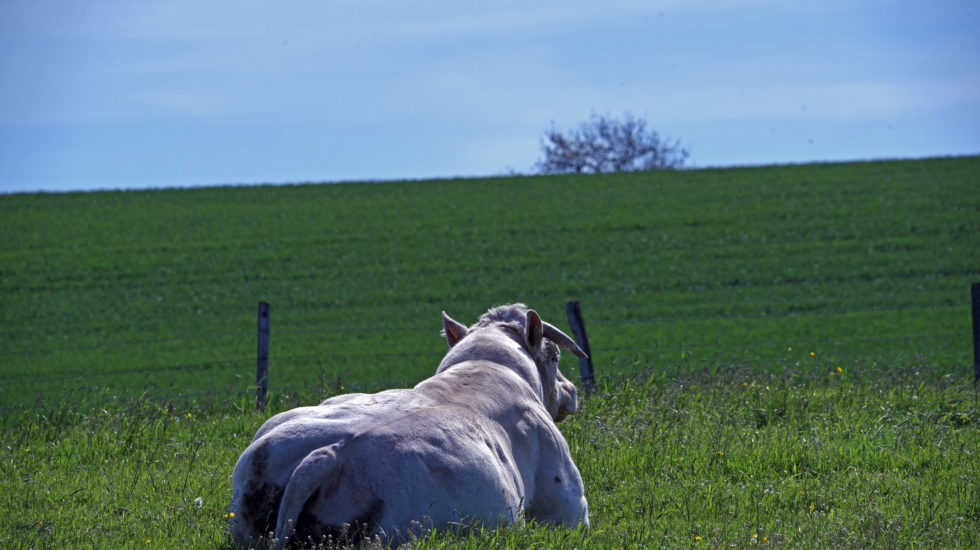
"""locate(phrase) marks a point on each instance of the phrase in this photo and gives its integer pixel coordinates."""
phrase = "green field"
(782, 351)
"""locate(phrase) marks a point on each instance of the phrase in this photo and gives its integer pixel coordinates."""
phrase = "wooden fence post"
(975, 294)
(586, 372)
(262, 372)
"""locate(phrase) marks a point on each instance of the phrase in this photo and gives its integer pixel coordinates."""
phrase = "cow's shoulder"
(479, 383)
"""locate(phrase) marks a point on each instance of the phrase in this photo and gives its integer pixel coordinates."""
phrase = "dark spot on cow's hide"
(261, 507)
(557, 479)
(261, 500)
(260, 457)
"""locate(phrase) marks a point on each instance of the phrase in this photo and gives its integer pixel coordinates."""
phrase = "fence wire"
(361, 357)
(197, 336)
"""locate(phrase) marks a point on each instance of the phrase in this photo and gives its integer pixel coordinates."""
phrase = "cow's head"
(540, 340)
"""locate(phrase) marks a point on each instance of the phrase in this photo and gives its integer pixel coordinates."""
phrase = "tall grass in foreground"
(837, 458)
(849, 457)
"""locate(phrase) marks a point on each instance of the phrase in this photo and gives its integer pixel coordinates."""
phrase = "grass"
(867, 457)
(821, 461)
(720, 305)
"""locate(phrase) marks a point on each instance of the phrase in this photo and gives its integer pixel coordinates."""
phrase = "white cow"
(474, 444)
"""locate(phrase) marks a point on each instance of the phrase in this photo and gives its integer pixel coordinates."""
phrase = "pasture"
(783, 353)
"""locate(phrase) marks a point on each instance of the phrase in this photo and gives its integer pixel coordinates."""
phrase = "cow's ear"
(533, 330)
(453, 330)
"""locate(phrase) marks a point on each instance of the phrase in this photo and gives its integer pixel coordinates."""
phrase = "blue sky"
(123, 94)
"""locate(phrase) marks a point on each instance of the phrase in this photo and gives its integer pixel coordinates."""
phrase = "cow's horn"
(552, 333)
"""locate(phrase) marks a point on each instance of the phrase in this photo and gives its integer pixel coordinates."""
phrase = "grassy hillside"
(770, 343)
(866, 262)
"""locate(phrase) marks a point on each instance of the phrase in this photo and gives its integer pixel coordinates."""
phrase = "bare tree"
(606, 144)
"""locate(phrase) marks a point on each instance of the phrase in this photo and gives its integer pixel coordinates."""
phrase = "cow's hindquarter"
(325, 498)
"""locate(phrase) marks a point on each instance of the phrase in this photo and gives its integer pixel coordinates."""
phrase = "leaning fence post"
(262, 372)
(975, 294)
(574, 310)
